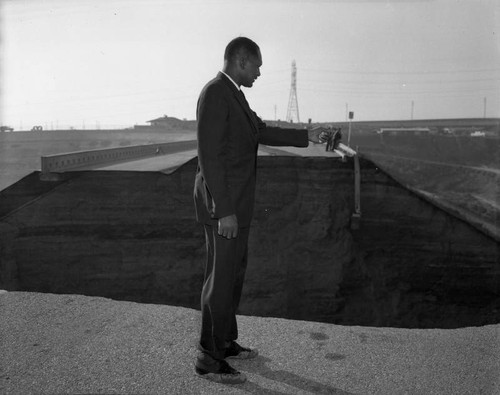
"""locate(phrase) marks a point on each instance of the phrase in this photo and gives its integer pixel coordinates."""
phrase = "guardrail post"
(356, 216)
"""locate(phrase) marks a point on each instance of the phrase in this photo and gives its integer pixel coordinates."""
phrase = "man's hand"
(319, 134)
(228, 226)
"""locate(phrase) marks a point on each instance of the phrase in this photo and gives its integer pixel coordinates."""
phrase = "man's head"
(242, 61)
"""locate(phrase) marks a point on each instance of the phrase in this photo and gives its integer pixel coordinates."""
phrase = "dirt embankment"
(456, 150)
(461, 174)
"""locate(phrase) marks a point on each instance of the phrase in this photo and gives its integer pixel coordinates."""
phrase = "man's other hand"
(319, 134)
(228, 226)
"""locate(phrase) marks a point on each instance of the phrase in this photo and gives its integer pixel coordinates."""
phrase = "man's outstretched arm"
(275, 136)
(319, 134)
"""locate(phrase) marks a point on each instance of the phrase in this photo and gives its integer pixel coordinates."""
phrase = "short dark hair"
(241, 43)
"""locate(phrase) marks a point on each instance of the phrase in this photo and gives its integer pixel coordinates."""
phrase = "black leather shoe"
(235, 351)
(219, 371)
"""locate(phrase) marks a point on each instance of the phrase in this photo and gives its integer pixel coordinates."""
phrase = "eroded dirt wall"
(416, 265)
(132, 236)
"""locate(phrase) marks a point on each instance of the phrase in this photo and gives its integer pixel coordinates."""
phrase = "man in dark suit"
(229, 133)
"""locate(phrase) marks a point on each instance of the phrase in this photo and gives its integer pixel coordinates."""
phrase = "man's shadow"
(258, 366)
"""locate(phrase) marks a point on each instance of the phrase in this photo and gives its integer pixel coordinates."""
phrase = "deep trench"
(132, 236)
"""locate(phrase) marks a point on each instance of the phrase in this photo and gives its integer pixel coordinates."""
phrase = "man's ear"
(242, 62)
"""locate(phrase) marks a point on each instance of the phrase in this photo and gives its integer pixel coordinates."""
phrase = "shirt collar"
(230, 79)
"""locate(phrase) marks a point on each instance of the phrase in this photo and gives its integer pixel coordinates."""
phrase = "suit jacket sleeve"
(212, 114)
(275, 136)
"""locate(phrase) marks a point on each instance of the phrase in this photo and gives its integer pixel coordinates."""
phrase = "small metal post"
(351, 116)
(356, 216)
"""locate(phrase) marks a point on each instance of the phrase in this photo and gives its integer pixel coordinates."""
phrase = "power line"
(450, 71)
(344, 93)
(371, 82)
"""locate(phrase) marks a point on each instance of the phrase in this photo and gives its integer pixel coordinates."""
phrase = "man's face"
(251, 70)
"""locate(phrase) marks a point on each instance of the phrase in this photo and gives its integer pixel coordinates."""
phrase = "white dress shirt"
(230, 79)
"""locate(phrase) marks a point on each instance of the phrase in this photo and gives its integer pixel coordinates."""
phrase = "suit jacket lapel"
(243, 102)
(246, 107)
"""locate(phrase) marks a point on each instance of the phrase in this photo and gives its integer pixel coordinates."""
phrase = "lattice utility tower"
(293, 106)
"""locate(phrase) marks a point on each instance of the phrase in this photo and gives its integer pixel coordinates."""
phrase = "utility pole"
(293, 105)
(484, 107)
(412, 107)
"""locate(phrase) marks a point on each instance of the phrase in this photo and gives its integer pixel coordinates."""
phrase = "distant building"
(171, 123)
(466, 131)
(478, 133)
(405, 131)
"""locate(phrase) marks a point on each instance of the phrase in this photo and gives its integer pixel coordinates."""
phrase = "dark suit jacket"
(229, 133)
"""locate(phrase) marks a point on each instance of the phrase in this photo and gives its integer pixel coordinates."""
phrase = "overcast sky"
(88, 63)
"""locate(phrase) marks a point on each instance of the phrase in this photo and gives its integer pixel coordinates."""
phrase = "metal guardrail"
(89, 159)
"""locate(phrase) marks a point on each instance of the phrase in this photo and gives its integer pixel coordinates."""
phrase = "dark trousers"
(224, 275)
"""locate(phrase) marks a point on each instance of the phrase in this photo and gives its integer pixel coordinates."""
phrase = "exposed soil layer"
(132, 236)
